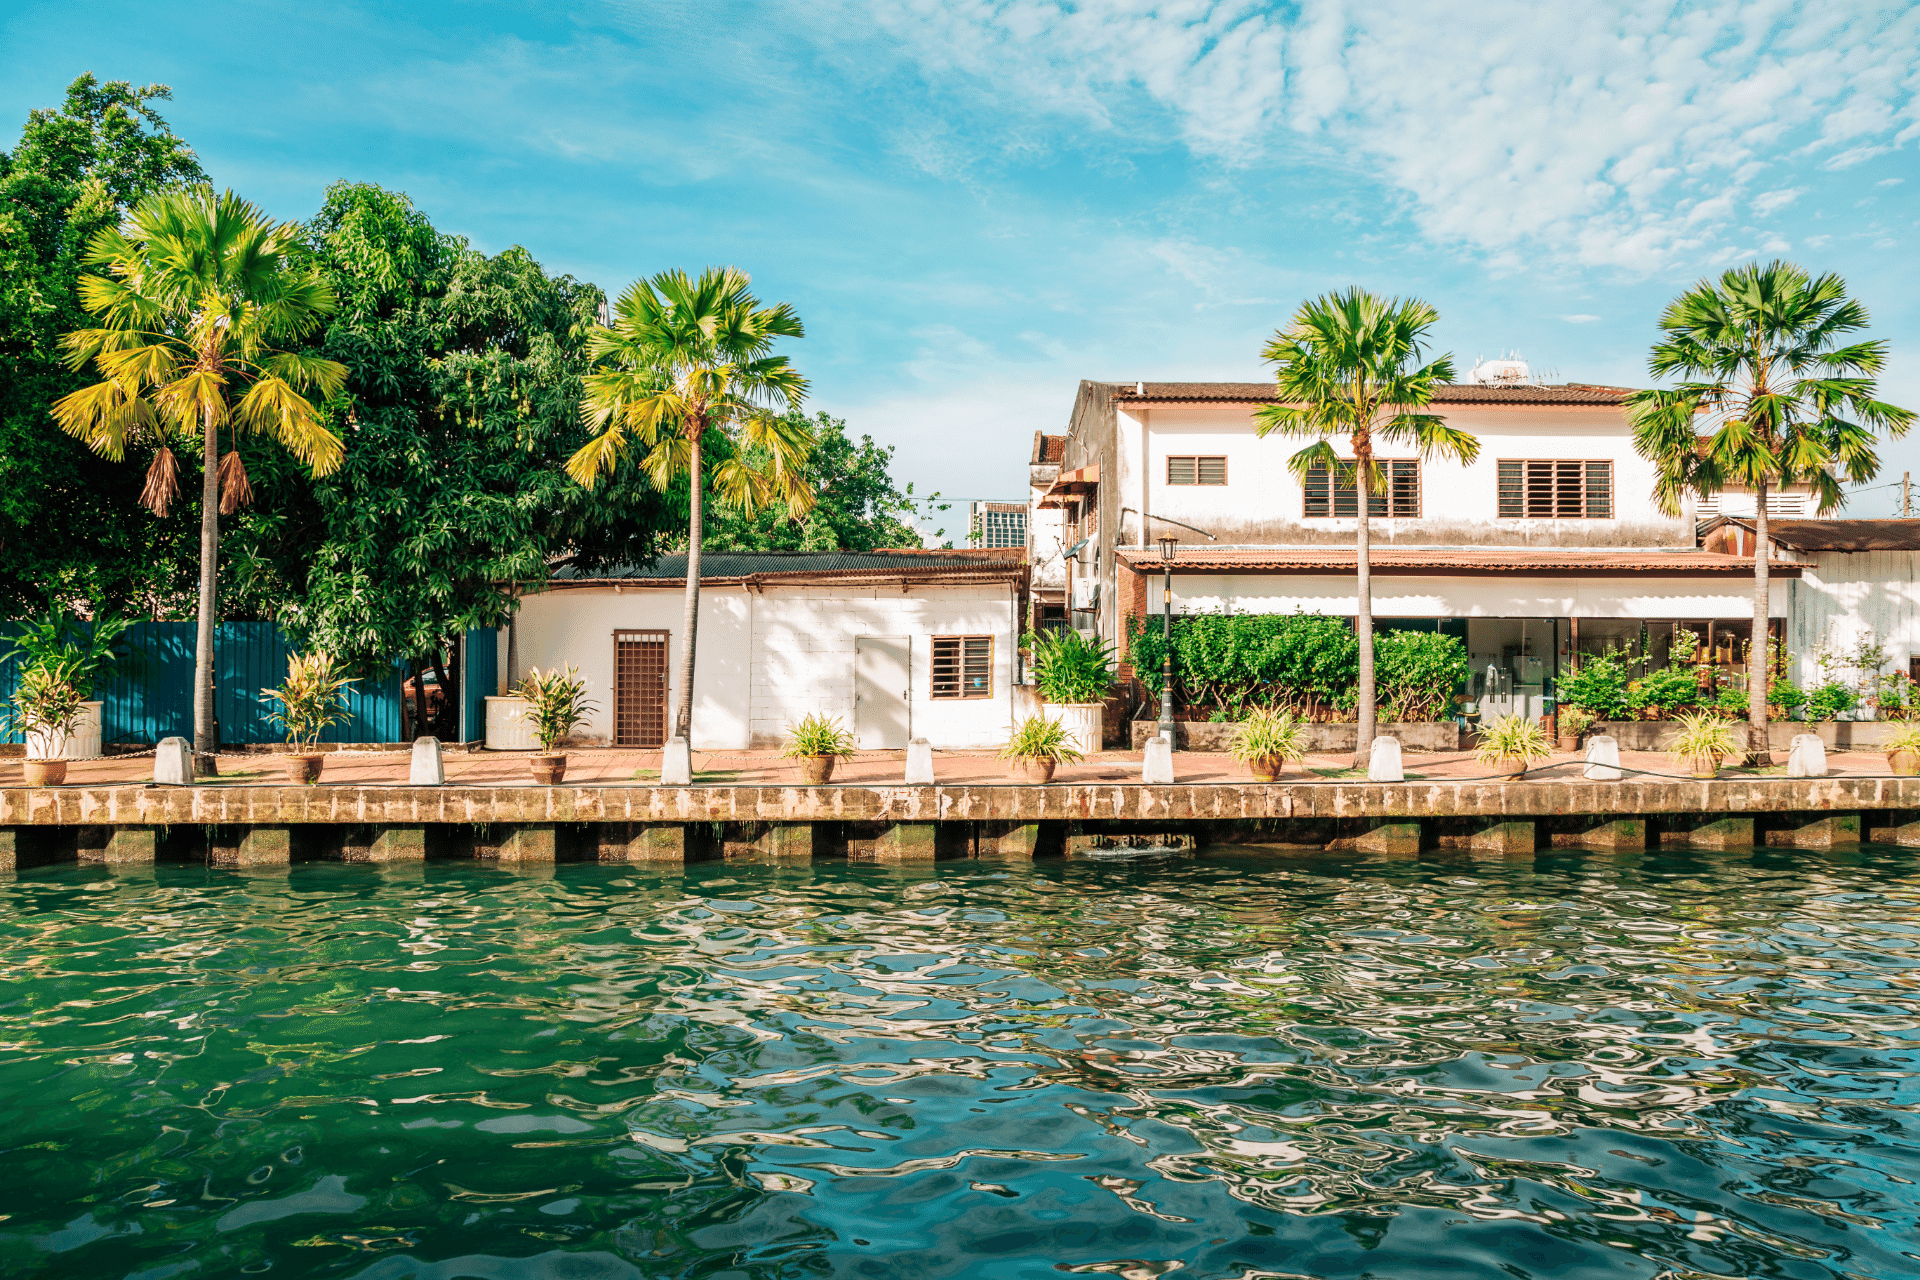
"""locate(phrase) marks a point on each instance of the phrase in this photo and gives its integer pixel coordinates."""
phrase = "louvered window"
(1556, 489)
(1401, 500)
(962, 667)
(1196, 470)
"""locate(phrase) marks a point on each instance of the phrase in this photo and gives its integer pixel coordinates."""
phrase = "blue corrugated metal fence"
(149, 696)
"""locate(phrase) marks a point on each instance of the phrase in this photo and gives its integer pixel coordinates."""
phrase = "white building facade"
(1546, 546)
(896, 644)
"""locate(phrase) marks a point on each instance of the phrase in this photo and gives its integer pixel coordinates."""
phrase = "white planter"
(1085, 722)
(508, 728)
(82, 744)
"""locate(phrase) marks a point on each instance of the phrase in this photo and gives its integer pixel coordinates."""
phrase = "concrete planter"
(82, 744)
(1838, 735)
(508, 728)
(1085, 723)
(1443, 735)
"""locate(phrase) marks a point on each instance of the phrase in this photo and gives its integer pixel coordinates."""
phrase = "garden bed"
(1839, 735)
(1442, 735)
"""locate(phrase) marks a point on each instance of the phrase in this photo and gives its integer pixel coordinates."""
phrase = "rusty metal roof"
(771, 567)
(1832, 535)
(1572, 394)
(1452, 561)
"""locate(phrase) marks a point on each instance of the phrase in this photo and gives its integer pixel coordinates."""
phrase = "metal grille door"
(639, 688)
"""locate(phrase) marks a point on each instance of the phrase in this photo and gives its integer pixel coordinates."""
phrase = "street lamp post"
(1167, 545)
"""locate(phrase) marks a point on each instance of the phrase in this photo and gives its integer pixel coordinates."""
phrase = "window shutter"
(1599, 491)
(1180, 471)
(1212, 470)
(1317, 487)
(946, 667)
(1512, 490)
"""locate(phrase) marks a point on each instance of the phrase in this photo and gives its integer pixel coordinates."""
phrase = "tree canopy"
(72, 175)
(856, 507)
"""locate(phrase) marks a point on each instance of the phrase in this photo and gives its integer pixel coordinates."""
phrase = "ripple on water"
(1229, 1065)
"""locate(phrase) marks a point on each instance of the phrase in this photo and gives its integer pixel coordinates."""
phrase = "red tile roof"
(1569, 394)
(1452, 561)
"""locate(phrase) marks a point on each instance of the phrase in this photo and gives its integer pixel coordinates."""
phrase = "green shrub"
(1038, 738)
(1666, 693)
(1306, 663)
(1415, 674)
(1267, 732)
(1069, 668)
(1826, 701)
(1600, 686)
(817, 735)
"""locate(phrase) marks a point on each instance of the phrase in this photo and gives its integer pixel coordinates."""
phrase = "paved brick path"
(605, 766)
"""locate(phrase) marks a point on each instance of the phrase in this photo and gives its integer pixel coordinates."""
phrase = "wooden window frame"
(1397, 470)
(1518, 493)
(961, 693)
(1196, 459)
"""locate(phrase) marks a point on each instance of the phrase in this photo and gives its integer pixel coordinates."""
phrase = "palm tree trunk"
(205, 738)
(1363, 614)
(683, 715)
(1760, 651)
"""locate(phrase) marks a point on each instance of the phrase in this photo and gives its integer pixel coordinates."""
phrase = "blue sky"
(975, 204)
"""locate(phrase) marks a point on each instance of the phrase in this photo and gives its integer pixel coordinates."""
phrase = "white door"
(880, 683)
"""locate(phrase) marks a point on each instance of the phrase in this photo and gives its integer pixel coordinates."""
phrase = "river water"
(1230, 1064)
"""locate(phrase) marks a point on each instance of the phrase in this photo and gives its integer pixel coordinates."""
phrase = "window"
(1196, 470)
(962, 667)
(1400, 501)
(1556, 490)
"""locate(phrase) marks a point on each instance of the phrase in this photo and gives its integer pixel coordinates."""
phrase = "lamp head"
(1167, 544)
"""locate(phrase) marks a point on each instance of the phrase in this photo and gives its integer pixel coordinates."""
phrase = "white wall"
(1843, 594)
(1260, 489)
(1502, 597)
(767, 659)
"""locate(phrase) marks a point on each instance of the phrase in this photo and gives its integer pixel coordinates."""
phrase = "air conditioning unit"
(1086, 594)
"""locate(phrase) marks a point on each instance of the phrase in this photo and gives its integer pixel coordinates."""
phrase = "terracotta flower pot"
(1037, 770)
(1266, 768)
(1705, 769)
(1569, 742)
(304, 769)
(549, 770)
(46, 773)
(1510, 770)
(1903, 764)
(817, 769)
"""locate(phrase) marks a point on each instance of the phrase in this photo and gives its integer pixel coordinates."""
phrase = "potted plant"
(1512, 745)
(817, 742)
(1574, 724)
(1902, 745)
(1073, 675)
(1703, 741)
(556, 706)
(87, 653)
(49, 702)
(1267, 741)
(311, 702)
(1038, 744)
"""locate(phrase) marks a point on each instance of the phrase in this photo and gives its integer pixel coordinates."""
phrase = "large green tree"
(857, 506)
(1772, 388)
(192, 297)
(684, 360)
(460, 409)
(1350, 365)
(73, 174)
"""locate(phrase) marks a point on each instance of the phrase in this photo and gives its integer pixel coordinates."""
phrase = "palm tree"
(1768, 396)
(197, 289)
(1349, 365)
(684, 358)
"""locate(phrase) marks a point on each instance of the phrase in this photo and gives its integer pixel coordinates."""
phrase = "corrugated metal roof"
(738, 565)
(1452, 561)
(1573, 393)
(1834, 535)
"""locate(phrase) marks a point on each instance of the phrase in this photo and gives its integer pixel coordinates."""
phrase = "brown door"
(639, 688)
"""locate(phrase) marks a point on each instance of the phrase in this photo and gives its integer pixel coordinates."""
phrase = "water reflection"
(1238, 1064)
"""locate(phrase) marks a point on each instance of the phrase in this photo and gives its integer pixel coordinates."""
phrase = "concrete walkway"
(624, 767)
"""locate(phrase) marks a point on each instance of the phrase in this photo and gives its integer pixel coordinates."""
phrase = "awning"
(1454, 562)
(1068, 483)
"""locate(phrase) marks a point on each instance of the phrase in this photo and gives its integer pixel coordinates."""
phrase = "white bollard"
(427, 769)
(173, 763)
(1807, 756)
(1603, 758)
(1157, 765)
(1384, 764)
(676, 764)
(919, 763)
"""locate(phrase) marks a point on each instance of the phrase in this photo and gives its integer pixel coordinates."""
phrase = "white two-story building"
(1546, 546)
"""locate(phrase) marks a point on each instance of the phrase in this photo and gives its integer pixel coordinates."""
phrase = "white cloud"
(1581, 319)
(1889, 182)
(1607, 134)
(1773, 201)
